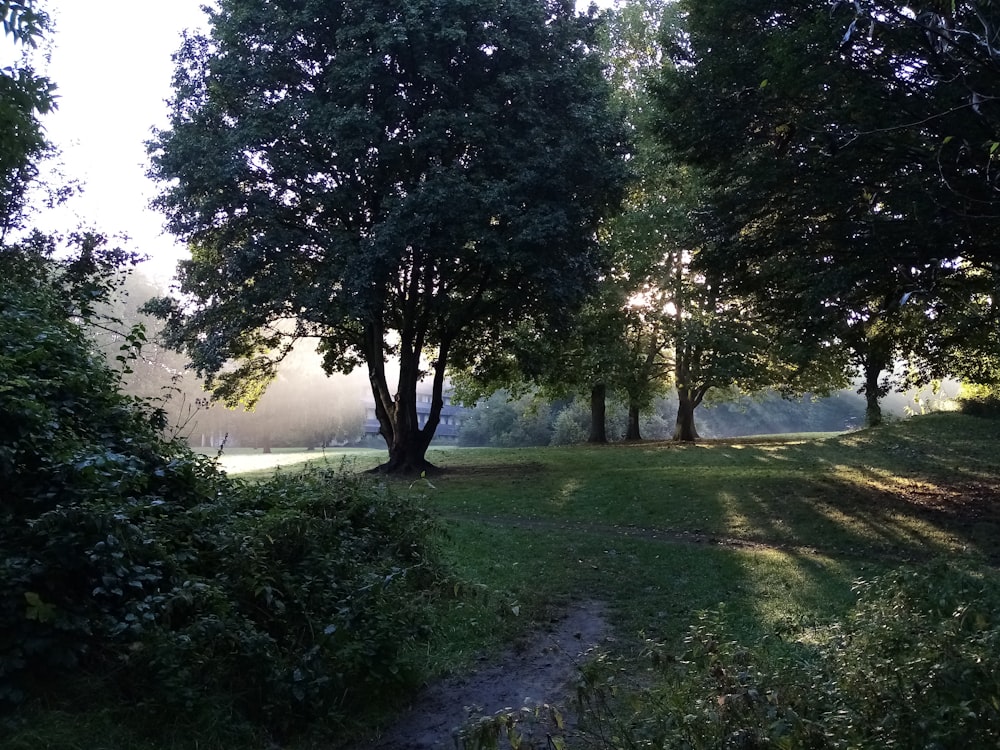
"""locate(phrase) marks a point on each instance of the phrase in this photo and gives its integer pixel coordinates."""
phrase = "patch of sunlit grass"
(260, 465)
(566, 493)
(786, 587)
(738, 523)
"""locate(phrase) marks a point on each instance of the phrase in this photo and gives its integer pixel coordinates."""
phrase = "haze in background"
(112, 65)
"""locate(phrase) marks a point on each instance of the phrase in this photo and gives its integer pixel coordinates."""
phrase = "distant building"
(452, 415)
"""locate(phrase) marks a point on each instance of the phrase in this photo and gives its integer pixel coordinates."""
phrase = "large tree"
(643, 238)
(401, 180)
(615, 344)
(824, 206)
(681, 322)
(24, 97)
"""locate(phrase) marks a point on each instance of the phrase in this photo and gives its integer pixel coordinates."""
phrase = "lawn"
(727, 568)
(776, 528)
(775, 539)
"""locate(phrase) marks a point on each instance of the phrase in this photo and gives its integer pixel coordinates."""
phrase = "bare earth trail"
(537, 672)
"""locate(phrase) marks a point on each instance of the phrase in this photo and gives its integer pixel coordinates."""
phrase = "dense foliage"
(402, 179)
(915, 664)
(831, 202)
(129, 561)
(980, 400)
(24, 97)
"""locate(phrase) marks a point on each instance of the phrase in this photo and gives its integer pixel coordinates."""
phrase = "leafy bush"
(301, 600)
(979, 400)
(505, 422)
(920, 658)
(75, 456)
(130, 560)
(568, 428)
(916, 664)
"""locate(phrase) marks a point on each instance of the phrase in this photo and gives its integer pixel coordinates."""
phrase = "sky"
(111, 62)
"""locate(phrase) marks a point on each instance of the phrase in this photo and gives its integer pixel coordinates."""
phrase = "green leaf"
(37, 609)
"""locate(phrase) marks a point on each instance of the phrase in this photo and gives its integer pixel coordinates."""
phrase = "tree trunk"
(598, 414)
(875, 361)
(399, 424)
(407, 456)
(687, 402)
(632, 431)
(406, 440)
(873, 409)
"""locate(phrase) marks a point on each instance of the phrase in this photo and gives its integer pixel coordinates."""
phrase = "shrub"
(128, 559)
(919, 659)
(300, 601)
(916, 664)
(979, 400)
(568, 428)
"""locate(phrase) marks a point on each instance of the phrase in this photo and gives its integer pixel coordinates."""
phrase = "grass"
(777, 527)
(903, 491)
(776, 530)
(770, 535)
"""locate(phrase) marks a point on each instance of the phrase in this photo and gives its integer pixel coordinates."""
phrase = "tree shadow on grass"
(915, 490)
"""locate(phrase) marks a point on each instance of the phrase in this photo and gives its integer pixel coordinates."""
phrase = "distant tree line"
(501, 420)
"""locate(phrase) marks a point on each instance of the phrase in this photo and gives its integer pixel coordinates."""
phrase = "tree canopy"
(400, 179)
(24, 97)
(827, 206)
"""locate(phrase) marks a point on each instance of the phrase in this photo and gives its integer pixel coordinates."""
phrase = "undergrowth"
(135, 575)
(915, 664)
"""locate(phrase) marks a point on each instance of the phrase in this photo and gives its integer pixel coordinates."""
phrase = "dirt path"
(538, 671)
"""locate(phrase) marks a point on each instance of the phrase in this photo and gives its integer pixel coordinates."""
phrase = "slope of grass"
(769, 538)
(908, 490)
(776, 532)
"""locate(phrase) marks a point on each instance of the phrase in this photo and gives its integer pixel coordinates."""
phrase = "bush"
(504, 422)
(569, 429)
(916, 664)
(979, 400)
(131, 561)
(303, 599)
(919, 659)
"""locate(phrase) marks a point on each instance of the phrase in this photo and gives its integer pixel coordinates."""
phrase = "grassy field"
(776, 528)
(767, 540)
